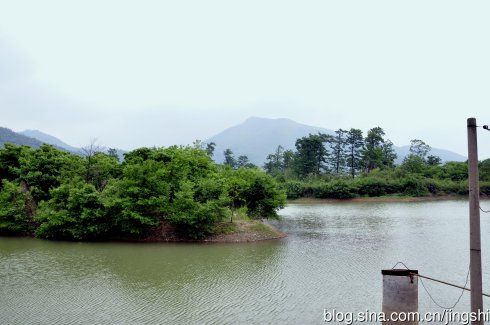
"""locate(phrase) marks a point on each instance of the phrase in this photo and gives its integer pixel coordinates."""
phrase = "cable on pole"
(421, 277)
(457, 301)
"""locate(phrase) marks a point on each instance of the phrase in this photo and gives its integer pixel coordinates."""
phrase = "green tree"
(10, 160)
(378, 152)
(138, 199)
(15, 214)
(485, 170)
(193, 218)
(419, 148)
(388, 155)
(111, 152)
(210, 148)
(138, 155)
(260, 192)
(244, 162)
(74, 212)
(413, 164)
(455, 171)
(433, 160)
(101, 169)
(229, 158)
(338, 154)
(355, 147)
(274, 164)
(44, 168)
(311, 155)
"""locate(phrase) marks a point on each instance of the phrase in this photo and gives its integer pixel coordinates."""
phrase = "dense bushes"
(96, 197)
(260, 193)
(15, 217)
(335, 190)
(410, 185)
(370, 186)
(75, 211)
(414, 177)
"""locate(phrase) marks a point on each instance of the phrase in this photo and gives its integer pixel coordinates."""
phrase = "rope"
(484, 211)
(427, 291)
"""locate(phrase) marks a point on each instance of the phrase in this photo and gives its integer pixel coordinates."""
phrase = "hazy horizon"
(162, 73)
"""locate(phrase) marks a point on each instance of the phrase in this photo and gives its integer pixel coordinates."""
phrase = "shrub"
(260, 193)
(414, 186)
(335, 190)
(485, 188)
(15, 219)
(10, 156)
(193, 219)
(294, 189)
(75, 212)
(43, 169)
(378, 186)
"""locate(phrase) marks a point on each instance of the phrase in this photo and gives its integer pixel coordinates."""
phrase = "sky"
(144, 73)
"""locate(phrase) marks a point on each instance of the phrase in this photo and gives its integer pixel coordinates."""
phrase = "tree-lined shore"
(349, 165)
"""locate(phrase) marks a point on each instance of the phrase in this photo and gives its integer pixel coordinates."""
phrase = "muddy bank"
(240, 231)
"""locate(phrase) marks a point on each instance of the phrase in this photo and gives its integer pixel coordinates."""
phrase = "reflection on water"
(331, 259)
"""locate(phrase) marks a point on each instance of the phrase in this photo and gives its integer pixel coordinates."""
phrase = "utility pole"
(475, 242)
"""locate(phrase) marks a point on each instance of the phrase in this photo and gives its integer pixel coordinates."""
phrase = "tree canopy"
(57, 195)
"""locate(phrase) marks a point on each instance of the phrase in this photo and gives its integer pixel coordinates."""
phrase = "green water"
(331, 259)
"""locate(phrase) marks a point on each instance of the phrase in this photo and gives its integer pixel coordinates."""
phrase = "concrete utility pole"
(475, 242)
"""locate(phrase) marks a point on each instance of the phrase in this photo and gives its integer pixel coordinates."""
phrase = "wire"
(428, 293)
(401, 264)
(457, 301)
(484, 211)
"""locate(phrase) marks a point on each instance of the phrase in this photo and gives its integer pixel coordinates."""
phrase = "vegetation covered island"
(173, 193)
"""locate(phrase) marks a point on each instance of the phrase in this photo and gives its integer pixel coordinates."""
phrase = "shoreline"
(381, 199)
(244, 231)
(238, 231)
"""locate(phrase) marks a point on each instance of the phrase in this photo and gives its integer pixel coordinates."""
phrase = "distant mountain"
(445, 155)
(258, 137)
(46, 138)
(9, 136)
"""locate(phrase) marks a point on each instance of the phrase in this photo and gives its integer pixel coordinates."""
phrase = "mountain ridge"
(47, 138)
(9, 136)
(257, 137)
(36, 138)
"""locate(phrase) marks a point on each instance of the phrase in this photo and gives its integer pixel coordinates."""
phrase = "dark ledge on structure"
(399, 272)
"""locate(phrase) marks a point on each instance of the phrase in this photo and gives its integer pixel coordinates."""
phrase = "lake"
(332, 259)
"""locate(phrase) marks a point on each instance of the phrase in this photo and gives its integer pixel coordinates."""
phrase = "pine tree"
(355, 146)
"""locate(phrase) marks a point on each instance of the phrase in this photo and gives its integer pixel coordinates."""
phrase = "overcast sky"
(139, 73)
